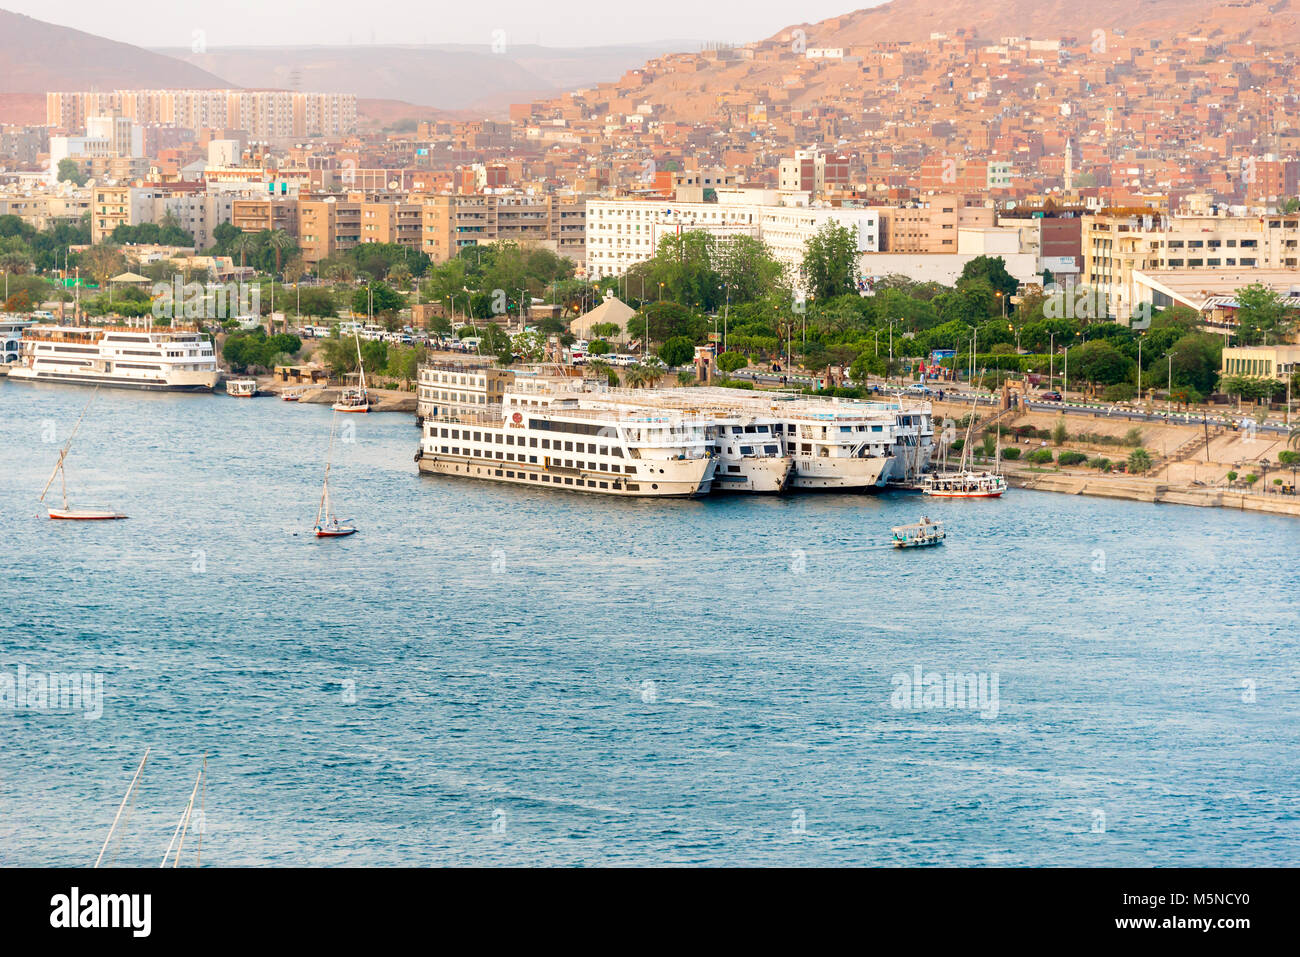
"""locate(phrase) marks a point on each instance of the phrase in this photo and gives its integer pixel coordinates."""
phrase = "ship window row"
(557, 445)
(576, 464)
(577, 428)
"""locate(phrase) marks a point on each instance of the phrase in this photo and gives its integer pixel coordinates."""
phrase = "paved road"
(1096, 410)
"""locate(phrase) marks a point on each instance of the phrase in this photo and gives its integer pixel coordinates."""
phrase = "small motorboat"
(926, 532)
(241, 388)
(291, 395)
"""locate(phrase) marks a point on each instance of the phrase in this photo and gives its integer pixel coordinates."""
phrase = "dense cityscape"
(992, 275)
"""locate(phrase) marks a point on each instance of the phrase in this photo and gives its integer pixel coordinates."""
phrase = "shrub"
(1011, 454)
(1100, 464)
(1040, 456)
(1119, 392)
(957, 445)
(1252, 478)
(1059, 434)
(1071, 458)
(1133, 437)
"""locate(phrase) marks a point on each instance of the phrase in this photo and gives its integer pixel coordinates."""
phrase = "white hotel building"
(623, 232)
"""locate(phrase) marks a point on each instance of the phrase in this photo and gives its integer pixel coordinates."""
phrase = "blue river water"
(500, 675)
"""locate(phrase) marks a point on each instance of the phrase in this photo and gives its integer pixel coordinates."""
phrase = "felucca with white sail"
(68, 511)
(327, 523)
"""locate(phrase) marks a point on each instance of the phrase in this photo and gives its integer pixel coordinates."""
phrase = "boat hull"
(840, 474)
(351, 408)
(208, 384)
(996, 493)
(84, 514)
(680, 479)
(335, 532)
(762, 476)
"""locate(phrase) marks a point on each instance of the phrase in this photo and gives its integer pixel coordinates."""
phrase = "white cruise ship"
(178, 359)
(831, 444)
(545, 439)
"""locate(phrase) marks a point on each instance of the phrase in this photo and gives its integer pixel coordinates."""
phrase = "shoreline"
(1152, 491)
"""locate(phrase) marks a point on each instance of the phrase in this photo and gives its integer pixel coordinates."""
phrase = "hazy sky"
(555, 23)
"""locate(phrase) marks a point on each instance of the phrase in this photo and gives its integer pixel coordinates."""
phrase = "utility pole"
(1140, 338)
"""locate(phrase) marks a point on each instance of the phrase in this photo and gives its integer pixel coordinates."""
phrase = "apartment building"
(813, 171)
(264, 114)
(1056, 241)
(194, 210)
(453, 222)
(1116, 247)
(623, 232)
(254, 214)
(931, 224)
(45, 208)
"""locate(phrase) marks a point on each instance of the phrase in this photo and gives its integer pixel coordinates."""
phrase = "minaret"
(1069, 165)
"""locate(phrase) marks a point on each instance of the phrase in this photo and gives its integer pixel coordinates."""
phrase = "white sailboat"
(966, 482)
(358, 399)
(327, 523)
(81, 512)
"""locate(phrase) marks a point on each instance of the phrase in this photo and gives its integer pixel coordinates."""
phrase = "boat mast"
(324, 508)
(129, 791)
(63, 454)
(361, 366)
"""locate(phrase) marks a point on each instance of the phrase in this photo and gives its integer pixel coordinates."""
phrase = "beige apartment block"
(931, 225)
(1115, 248)
(455, 222)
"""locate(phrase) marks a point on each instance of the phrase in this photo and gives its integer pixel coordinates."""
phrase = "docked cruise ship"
(178, 359)
(760, 442)
(546, 439)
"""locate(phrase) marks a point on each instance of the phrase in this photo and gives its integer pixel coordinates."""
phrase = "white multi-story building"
(623, 232)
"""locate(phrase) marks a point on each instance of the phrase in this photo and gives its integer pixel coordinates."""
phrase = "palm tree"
(399, 276)
(279, 241)
(1293, 440)
(15, 261)
(243, 244)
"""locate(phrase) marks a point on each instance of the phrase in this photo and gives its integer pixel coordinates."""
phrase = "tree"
(677, 351)
(1097, 361)
(279, 241)
(102, 262)
(243, 244)
(1139, 461)
(831, 262)
(383, 297)
(731, 361)
(993, 270)
(1059, 433)
(747, 269)
(70, 171)
(1261, 314)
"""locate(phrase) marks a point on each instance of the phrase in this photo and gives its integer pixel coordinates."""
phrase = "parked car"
(919, 388)
(1049, 396)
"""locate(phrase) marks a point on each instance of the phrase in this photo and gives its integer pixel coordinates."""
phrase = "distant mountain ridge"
(37, 57)
(443, 76)
(1049, 19)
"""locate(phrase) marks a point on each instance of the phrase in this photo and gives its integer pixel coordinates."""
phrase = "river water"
(503, 675)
